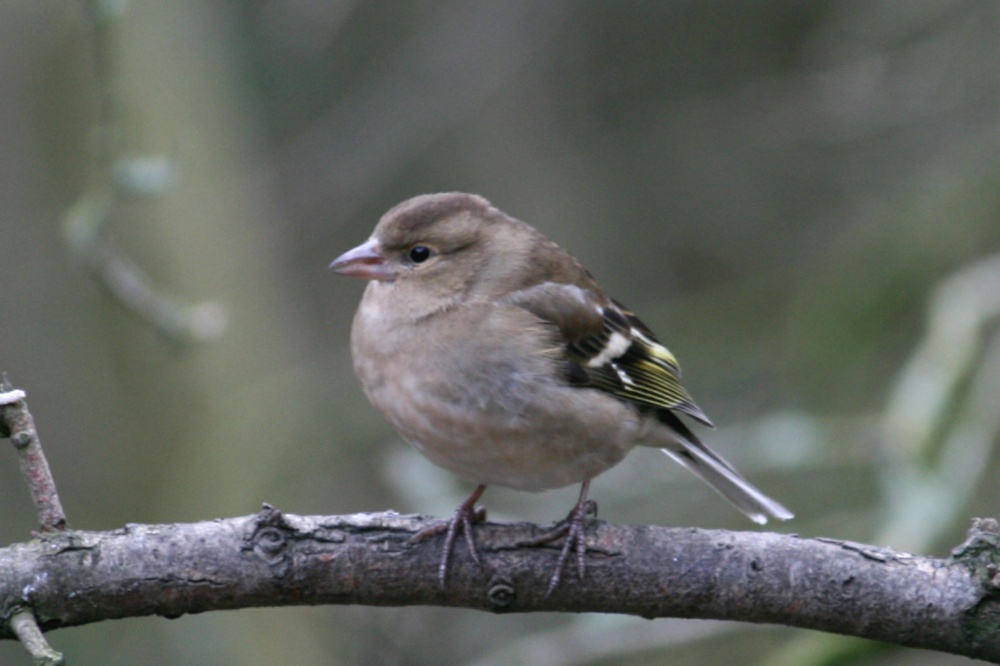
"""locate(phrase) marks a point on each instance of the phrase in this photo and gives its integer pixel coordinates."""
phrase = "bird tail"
(720, 475)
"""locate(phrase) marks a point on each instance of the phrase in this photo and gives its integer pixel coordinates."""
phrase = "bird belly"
(505, 416)
(516, 445)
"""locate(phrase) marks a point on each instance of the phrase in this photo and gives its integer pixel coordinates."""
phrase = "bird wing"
(608, 348)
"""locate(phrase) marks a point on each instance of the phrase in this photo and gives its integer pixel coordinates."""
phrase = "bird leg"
(574, 532)
(464, 517)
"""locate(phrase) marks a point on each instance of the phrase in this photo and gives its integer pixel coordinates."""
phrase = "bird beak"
(366, 261)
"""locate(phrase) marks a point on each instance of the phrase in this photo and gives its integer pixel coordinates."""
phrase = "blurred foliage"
(776, 187)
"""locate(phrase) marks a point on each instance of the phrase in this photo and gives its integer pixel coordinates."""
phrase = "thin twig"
(26, 628)
(17, 424)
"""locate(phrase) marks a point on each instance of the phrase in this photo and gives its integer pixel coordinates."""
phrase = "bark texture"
(274, 559)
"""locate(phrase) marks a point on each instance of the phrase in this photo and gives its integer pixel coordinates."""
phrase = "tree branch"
(273, 559)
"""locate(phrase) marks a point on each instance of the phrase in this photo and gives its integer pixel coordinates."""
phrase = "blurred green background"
(777, 188)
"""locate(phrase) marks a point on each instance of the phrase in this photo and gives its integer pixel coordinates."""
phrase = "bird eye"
(419, 254)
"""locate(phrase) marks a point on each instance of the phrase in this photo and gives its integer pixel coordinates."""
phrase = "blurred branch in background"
(942, 421)
(940, 428)
(114, 177)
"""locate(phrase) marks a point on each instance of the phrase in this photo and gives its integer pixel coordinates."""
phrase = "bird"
(496, 354)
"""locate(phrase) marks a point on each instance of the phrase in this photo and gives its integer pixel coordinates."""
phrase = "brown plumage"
(496, 354)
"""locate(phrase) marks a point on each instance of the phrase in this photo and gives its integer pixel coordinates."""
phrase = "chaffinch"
(495, 353)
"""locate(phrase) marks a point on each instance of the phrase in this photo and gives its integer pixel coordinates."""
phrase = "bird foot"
(573, 531)
(465, 517)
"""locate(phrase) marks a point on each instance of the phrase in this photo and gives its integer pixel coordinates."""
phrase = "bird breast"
(511, 420)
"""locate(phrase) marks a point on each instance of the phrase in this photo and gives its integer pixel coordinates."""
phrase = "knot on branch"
(980, 552)
(270, 538)
(269, 544)
(500, 594)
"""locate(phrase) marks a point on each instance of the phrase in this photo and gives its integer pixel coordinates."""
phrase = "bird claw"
(465, 517)
(442, 526)
(573, 531)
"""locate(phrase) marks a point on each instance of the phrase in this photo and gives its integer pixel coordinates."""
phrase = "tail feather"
(714, 471)
(709, 466)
